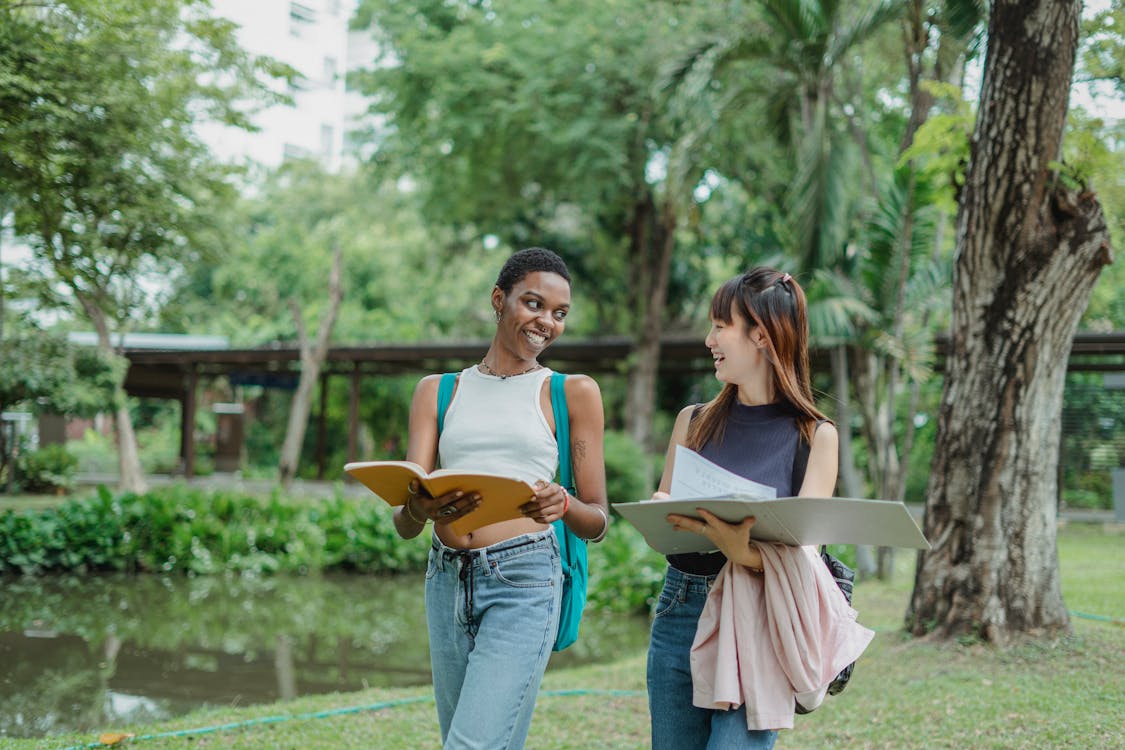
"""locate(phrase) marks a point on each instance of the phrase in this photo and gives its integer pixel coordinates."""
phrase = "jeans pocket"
(529, 570)
(665, 603)
(432, 564)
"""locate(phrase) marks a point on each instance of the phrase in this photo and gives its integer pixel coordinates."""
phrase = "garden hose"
(117, 738)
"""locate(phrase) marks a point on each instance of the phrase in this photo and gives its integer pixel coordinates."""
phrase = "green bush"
(48, 469)
(177, 529)
(625, 469)
(625, 573)
(95, 452)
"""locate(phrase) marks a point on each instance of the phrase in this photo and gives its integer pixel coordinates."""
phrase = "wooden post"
(353, 416)
(187, 424)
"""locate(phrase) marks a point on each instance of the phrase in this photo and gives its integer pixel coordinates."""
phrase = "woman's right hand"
(443, 509)
(658, 495)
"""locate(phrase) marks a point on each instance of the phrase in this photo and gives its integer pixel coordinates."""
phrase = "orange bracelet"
(566, 501)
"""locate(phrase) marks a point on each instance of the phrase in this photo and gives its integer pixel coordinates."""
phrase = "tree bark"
(653, 240)
(313, 355)
(1029, 252)
(131, 476)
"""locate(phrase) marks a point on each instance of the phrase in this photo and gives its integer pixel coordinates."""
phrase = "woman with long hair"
(761, 425)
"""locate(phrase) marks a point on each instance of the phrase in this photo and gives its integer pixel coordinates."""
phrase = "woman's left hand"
(548, 505)
(732, 539)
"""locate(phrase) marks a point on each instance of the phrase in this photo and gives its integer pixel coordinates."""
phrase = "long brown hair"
(774, 302)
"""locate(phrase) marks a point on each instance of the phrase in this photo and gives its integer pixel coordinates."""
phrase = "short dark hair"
(530, 260)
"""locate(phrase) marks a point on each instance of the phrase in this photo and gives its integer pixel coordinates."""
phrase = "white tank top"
(497, 425)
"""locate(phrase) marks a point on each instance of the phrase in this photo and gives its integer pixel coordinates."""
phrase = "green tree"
(274, 280)
(541, 121)
(43, 372)
(110, 184)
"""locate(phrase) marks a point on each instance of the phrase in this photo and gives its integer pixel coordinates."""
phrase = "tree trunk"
(850, 482)
(131, 477)
(653, 246)
(128, 456)
(1029, 253)
(313, 355)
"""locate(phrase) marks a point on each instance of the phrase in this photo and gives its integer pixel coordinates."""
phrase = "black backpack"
(843, 575)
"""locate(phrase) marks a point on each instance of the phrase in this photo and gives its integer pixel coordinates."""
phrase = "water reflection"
(88, 653)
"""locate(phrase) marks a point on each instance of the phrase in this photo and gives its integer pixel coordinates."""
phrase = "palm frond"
(861, 29)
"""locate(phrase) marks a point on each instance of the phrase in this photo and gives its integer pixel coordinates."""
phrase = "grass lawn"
(904, 694)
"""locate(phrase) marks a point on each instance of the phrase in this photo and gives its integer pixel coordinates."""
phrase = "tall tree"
(98, 153)
(313, 353)
(1031, 244)
(533, 120)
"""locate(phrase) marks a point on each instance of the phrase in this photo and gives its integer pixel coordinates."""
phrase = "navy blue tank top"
(759, 443)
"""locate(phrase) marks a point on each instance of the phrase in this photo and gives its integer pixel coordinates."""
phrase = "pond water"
(92, 653)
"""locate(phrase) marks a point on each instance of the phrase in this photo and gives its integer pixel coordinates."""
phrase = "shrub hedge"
(181, 530)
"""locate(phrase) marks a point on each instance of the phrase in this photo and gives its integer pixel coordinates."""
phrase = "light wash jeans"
(676, 723)
(492, 615)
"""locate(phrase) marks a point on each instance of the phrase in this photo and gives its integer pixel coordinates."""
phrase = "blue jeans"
(676, 723)
(492, 615)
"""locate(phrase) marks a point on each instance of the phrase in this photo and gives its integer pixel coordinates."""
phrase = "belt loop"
(482, 555)
(438, 550)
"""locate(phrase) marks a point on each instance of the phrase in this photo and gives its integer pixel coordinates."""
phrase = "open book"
(501, 496)
(699, 483)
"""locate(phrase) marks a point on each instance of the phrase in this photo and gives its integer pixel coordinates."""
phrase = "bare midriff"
(488, 535)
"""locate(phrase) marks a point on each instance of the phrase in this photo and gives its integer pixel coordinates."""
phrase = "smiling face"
(533, 314)
(734, 345)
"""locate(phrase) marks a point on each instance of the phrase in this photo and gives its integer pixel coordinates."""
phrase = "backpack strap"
(562, 429)
(444, 396)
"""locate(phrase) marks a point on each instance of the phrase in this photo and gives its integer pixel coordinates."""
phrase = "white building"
(312, 37)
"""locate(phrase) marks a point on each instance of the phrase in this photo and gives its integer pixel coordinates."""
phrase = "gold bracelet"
(410, 513)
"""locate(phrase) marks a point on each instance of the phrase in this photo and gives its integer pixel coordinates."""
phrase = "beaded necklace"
(495, 374)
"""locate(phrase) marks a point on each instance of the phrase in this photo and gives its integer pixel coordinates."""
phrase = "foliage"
(940, 151)
(94, 452)
(190, 531)
(542, 123)
(1092, 441)
(280, 242)
(49, 375)
(48, 469)
(625, 573)
(1092, 155)
(1102, 56)
(625, 476)
(110, 182)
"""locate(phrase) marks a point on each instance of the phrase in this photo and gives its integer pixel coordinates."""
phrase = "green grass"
(905, 694)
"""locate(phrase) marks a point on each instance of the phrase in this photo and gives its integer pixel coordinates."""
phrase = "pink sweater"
(769, 639)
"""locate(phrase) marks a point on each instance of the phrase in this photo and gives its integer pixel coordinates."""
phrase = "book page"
(792, 520)
(695, 476)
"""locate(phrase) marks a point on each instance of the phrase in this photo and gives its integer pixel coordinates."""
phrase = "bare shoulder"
(582, 389)
(426, 389)
(826, 439)
(826, 431)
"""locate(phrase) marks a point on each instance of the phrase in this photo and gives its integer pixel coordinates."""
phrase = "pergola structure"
(176, 374)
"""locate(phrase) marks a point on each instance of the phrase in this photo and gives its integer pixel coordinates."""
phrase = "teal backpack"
(572, 548)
